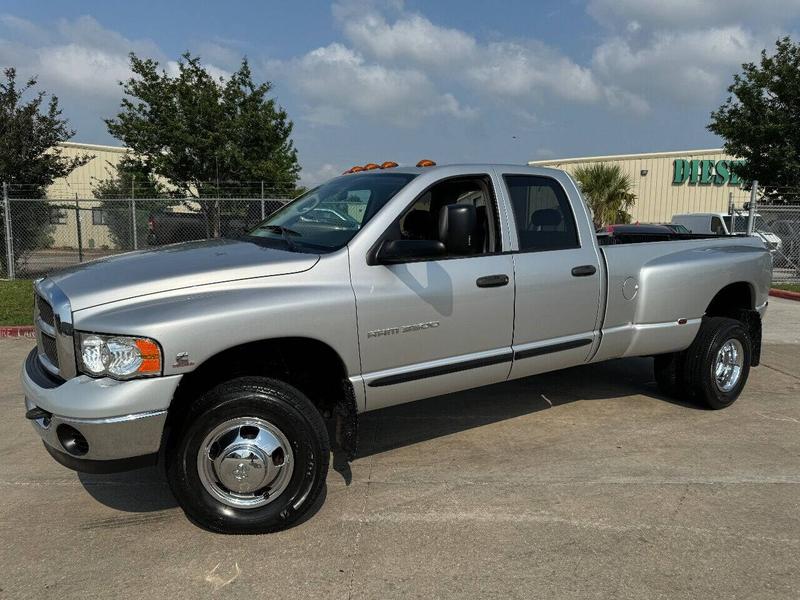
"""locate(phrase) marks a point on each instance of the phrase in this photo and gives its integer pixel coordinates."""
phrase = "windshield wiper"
(285, 233)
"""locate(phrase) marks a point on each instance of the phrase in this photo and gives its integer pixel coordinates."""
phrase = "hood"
(174, 267)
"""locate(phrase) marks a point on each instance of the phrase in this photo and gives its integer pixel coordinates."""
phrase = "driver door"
(429, 327)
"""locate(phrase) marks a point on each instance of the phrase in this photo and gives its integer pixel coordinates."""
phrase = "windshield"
(741, 223)
(326, 218)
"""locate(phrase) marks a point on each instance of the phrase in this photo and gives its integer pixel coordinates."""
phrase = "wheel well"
(730, 300)
(737, 301)
(310, 365)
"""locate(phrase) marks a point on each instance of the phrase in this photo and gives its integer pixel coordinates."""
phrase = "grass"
(16, 302)
(791, 287)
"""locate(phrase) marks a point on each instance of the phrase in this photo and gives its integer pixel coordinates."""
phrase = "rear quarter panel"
(676, 280)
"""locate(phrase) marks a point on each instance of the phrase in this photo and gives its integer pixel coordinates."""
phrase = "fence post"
(78, 229)
(732, 213)
(263, 215)
(133, 215)
(752, 212)
(9, 232)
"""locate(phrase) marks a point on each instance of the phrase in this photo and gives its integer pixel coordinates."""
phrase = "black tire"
(701, 356)
(669, 370)
(262, 398)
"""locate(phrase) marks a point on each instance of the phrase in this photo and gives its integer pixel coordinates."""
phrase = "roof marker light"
(371, 166)
(389, 164)
(426, 163)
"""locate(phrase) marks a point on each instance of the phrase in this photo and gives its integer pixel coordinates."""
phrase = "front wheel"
(251, 457)
(718, 362)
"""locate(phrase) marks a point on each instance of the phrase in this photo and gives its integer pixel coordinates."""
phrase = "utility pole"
(9, 232)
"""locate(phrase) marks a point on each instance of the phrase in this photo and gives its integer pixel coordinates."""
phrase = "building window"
(98, 216)
(58, 216)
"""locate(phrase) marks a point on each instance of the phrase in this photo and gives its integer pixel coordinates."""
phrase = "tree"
(760, 120)
(199, 133)
(607, 190)
(30, 160)
(128, 180)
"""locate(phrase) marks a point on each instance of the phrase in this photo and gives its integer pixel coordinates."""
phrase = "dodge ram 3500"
(229, 361)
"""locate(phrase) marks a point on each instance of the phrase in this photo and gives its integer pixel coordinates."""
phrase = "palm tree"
(607, 190)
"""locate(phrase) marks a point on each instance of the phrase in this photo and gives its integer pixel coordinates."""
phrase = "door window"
(421, 220)
(717, 227)
(542, 213)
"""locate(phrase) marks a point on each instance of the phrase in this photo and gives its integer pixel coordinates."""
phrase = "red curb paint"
(18, 331)
(784, 294)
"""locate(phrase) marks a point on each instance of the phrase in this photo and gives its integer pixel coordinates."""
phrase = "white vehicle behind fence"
(724, 224)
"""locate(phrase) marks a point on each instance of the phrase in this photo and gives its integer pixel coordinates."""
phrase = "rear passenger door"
(557, 274)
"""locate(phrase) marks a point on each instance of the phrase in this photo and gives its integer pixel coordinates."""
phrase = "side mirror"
(400, 251)
(457, 228)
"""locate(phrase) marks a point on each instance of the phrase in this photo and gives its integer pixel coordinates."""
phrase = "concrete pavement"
(584, 483)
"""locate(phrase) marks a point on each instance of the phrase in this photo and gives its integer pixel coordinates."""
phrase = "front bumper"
(118, 420)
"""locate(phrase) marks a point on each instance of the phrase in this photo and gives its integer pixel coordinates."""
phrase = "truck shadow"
(406, 424)
(146, 490)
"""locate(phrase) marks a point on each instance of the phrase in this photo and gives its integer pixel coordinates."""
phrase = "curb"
(17, 331)
(784, 294)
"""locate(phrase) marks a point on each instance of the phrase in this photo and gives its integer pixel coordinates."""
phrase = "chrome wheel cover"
(727, 368)
(245, 462)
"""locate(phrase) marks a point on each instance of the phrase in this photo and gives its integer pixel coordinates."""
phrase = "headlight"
(117, 356)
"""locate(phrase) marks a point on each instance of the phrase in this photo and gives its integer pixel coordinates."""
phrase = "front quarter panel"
(206, 320)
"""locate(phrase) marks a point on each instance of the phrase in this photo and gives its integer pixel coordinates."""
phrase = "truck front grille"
(53, 322)
(49, 348)
(45, 311)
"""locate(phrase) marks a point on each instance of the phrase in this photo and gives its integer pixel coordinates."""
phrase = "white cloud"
(413, 39)
(525, 71)
(336, 81)
(91, 70)
(77, 57)
(520, 72)
(691, 66)
(311, 178)
(660, 14)
(24, 27)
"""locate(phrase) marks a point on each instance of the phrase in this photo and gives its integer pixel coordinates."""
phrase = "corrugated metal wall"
(657, 197)
(79, 184)
(83, 179)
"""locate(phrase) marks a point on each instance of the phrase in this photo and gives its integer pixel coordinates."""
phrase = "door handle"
(584, 271)
(492, 281)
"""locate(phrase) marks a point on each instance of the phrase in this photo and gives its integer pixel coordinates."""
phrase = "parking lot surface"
(585, 483)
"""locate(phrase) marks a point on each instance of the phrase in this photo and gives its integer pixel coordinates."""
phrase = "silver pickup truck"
(234, 362)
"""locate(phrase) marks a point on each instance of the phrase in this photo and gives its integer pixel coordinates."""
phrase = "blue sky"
(456, 81)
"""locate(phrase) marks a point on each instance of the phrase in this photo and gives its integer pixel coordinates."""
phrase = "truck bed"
(656, 293)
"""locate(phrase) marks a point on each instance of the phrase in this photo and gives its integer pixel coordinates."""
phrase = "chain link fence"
(778, 220)
(43, 235)
(52, 229)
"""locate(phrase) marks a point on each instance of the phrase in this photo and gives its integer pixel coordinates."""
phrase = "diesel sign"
(705, 172)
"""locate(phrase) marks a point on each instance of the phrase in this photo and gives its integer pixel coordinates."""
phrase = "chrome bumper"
(110, 438)
(89, 405)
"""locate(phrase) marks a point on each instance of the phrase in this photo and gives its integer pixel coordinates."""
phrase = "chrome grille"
(50, 349)
(45, 311)
(53, 322)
